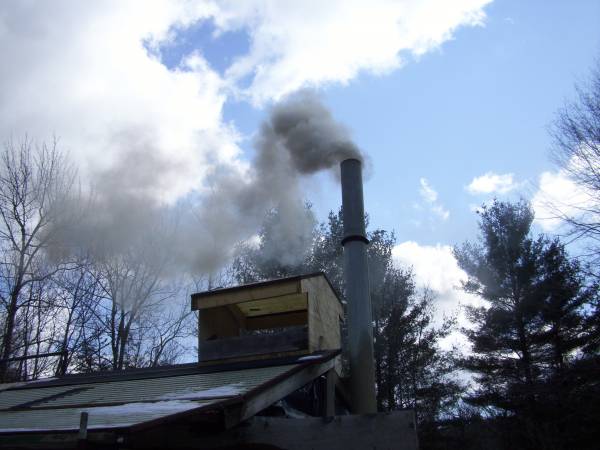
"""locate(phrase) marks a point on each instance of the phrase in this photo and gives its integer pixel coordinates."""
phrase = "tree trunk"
(9, 329)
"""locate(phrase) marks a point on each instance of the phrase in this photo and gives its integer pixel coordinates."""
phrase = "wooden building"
(269, 375)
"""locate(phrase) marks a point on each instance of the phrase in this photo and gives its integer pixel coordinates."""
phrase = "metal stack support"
(360, 324)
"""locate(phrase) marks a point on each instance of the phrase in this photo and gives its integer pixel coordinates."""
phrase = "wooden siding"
(277, 321)
(324, 315)
(231, 296)
(230, 313)
(217, 323)
(274, 305)
(291, 340)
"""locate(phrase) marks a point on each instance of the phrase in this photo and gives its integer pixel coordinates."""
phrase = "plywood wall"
(324, 314)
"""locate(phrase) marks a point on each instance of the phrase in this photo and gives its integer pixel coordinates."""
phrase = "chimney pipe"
(356, 272)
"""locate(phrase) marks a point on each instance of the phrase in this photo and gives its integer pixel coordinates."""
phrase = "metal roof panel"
(125, 403)
(99, 417)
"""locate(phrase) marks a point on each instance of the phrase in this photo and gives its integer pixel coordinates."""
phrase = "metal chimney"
(356, 272)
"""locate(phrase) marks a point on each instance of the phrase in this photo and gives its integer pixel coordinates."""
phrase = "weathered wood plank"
(341, 388)
(217, 323)
(238, 315)
(280, 390)
(277, 321)
(285, 341)
(265, 356)
(330, 393)
(325, 314)
(244, 294)
(274, 305)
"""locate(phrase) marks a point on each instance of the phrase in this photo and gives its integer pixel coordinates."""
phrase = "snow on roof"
(228, 390)
(170, 407)
(134, 398)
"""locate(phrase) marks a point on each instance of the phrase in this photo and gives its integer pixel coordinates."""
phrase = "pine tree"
(530, 334)
(411, 370)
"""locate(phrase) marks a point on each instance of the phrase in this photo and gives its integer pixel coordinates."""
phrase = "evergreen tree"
(275, 256)
(531, 332)
(411, 370)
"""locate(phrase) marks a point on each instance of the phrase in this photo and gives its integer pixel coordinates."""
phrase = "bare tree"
(162, 333)
(38, 330)
(76, 302)
(576, 134)
(134, 285)
(33, 183)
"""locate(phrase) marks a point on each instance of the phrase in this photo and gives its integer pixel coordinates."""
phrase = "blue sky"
(440, 94)
(480, 103)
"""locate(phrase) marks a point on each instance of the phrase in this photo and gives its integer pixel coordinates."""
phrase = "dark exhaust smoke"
(299, 138)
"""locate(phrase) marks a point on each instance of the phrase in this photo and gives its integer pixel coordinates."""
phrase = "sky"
(451, 101)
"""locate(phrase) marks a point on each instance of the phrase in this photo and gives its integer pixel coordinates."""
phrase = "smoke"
(307, 130)
(200, 233)
(117, 216)
(299, 138)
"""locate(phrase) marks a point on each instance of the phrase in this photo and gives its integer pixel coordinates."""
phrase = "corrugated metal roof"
(99, 417)
(118, 403)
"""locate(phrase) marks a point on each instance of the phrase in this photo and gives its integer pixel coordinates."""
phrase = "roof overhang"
(38, 408)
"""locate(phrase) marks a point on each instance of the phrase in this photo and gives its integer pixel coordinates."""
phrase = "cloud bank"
(145, 134)
(558, 197)
(308, 43)
(92, 74)
(435, 267)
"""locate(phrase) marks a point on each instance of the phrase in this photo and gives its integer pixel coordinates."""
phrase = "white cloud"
(557, 196)
(440, 211)
(308, 43)
(492, 183)
(435, 267)
(84, 72)
(430, 196)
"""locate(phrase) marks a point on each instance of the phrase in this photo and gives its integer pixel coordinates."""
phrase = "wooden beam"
(330, 377)
(342, 389)
(244, 294)
(277, 321)
(275, 305)
(234, 347)
(237, 315)
(259, 401)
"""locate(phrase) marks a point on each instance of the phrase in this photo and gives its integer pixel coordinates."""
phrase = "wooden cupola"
(289, 316)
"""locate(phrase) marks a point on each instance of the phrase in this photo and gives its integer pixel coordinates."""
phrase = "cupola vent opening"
(289, 316)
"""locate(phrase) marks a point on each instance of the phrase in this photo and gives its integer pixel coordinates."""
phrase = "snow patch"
(310, 358)
(170, 407)
(228, 390)
(41, 380)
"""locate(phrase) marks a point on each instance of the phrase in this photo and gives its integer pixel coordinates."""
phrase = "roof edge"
(238, 287)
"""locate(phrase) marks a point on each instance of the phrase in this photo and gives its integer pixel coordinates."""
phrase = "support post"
(329, 410)
(83, 431)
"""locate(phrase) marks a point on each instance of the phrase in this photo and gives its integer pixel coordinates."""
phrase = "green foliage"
(411, 370)
(529, 337)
